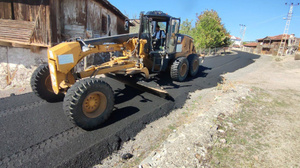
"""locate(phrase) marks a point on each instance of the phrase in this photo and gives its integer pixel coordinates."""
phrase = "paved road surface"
(38, 134)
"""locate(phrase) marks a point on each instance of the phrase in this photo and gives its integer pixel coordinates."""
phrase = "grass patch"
(171, 127)
(245, 141)
(225, 85)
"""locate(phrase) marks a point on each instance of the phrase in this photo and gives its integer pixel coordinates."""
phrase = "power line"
(286, 30)
(242, 32)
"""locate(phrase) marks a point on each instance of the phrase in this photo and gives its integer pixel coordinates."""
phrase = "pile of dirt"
(16, 67)
(15, 78)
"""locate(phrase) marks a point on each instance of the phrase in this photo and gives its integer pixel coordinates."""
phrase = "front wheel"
(179, 69)
(41, 85)
(88, 103)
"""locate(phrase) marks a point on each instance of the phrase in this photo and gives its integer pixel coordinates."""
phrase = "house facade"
(45, 23)
(236, 41)
(270, 44)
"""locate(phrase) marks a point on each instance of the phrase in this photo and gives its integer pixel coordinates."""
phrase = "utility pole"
(286, 30)
(242, 32)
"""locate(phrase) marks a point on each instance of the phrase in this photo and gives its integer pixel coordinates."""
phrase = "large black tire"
(41, 85)
(194, 64)
(179, 69)
(88, 103)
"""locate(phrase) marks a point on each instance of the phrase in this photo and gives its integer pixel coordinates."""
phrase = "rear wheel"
(194, 64)
(179, 69)
(88, 103)
(41, 85)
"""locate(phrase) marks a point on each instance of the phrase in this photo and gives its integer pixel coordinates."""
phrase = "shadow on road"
(126, 94)
(120, 114)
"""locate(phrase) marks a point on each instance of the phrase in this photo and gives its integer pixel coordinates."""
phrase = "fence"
(214, 51)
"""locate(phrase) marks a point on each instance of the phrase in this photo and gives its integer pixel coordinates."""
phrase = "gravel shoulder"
(248, 120)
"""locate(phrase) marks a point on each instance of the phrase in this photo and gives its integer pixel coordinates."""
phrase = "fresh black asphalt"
(35, 133)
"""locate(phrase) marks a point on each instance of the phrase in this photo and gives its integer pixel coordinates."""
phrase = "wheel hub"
(94, 104)
(183, 69)
(48, 84)
(195, 64)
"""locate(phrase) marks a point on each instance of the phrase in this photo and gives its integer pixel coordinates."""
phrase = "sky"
(261, 17)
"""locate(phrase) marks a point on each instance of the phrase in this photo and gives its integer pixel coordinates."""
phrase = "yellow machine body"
(63, 57)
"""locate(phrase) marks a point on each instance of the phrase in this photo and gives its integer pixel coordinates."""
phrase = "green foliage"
(162, 25)
(209, 31)
(186, 27)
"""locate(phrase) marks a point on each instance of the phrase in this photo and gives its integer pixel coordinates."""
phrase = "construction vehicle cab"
(170, 46)
(88, 100)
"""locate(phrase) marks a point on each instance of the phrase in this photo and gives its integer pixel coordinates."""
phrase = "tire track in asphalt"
(21, 108)
(35, 151)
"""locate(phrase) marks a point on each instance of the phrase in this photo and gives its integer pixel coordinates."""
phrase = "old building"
(270, 44)
(135, 25)
(35, 25)
(48, 22)
(250, 47)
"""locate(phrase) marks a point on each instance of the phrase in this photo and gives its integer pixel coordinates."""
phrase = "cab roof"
(157, 14)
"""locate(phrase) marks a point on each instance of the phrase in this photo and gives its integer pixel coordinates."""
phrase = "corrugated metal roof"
(16, 31)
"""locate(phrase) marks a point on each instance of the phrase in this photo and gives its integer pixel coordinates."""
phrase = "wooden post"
(8, 70)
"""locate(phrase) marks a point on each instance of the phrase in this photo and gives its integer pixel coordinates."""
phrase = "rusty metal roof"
(278, 37)
(16, 31)
(250, 44)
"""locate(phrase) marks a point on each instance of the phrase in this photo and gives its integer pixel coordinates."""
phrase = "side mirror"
(126, 25)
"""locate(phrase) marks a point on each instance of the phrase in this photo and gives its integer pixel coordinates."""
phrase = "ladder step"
(157, 61)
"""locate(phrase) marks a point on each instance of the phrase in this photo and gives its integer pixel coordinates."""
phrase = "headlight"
(53, 80)
(51, 67)
(51, 54)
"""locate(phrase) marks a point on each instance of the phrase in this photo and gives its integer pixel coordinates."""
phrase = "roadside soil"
(18, 80)
(251, 119)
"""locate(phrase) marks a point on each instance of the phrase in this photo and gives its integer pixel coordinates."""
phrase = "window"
(104, 24)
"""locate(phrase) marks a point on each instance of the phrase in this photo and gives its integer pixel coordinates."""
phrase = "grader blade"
(150, 87)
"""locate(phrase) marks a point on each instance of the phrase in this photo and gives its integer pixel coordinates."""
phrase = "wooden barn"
(45, 23)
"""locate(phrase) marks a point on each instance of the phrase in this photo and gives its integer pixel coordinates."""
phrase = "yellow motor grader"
(88, 100)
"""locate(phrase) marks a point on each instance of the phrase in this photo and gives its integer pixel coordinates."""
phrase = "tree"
(186, 27)
(209, 31)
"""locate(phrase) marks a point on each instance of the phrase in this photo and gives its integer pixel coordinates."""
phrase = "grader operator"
(88, 101)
